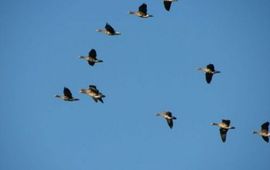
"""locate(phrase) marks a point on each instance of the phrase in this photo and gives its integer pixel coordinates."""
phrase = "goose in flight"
(108, 30)
(168, 117)
(142, 12)
(264, 132)
(224, 126)
(67, 95)
(209, 71)
(93, 92)
(91, 58)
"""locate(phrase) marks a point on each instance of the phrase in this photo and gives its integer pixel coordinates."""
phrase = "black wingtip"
(101, 100)
(167, 5)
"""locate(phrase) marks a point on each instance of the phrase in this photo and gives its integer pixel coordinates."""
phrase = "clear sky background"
(151, 67)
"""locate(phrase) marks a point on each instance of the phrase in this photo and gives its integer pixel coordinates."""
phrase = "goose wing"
(109, 28)
(223, 134)
(265, 126)
(92, 87)
(91, 63)
(101, 100)
(208, 77)
(67, 92)
(95, 99)
(170, 122)
(92, 53)
(143, 8)
(167, 5)
(169, 119)
(265, 138)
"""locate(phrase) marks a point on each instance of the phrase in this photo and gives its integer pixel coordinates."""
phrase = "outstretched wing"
(100, 99)
(91, 63)
(92, 87)
(265, 138)
(109, 28)
(67, 92)
(208, 77)
(92, 53)
(95, 99)
(167, 5)
(223, 134)
(143, 8)
(170, 122)
(265, 126)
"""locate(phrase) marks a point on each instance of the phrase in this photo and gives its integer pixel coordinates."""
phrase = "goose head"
(214, 124)
(58, 96)
(82, 57)
(82, 91)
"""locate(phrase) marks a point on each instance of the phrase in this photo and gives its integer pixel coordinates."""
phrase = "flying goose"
(109, 30)
(209, 71)
(91, 58)
(93, 92)
(168, 3)
(224, 126)
(168, 117)
(142, 12)
(264, 132)
(67, 95)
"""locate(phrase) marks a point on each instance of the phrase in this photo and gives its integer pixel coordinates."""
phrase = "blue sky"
(151, 67)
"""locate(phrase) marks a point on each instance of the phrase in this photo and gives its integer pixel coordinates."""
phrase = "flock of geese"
(209, 71)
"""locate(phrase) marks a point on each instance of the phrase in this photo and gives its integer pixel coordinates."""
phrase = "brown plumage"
(224, 126)
(93, 92)
(91, 58)
(142, 12)
(264, 132)
(67, 95)
(109, 30)
(168, 117)
(209, 71)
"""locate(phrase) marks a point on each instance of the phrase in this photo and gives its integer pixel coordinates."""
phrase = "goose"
(209, 71)
(93, 92)
(109, 30)
(142, 12)
(168, 3)
(224, 126)
(264, 132)
(67, 95)
(91, 58)
(168, 117)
